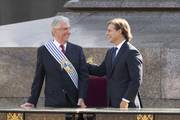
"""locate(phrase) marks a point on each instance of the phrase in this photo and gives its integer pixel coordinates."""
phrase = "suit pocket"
(69, 99)
(55, 99)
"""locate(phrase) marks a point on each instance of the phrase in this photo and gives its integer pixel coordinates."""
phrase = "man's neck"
(118, 41)
(61, 42)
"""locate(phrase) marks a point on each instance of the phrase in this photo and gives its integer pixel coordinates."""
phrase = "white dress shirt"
(57, 44)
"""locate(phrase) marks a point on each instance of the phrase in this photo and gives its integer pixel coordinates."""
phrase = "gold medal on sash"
(67, 66)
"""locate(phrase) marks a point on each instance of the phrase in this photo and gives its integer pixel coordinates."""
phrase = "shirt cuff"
(80, 100)
(125, 100)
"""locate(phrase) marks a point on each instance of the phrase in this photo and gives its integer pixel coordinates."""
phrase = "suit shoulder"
(133, 51)
(41, 48)
(108, 50)
(74, 46)
(131, 47)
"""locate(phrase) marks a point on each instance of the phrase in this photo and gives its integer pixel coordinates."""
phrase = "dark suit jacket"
(123, 77)
(59, 88)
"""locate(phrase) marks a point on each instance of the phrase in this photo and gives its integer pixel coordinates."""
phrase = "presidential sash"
(63, 61)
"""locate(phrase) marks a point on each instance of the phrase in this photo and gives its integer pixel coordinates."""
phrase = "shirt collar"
(57, 44)
(120, 45)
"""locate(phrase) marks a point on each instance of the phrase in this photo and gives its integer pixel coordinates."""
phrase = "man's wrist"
(125, 100)
(80, 100)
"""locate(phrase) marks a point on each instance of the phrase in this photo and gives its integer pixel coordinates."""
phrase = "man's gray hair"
(59, 19)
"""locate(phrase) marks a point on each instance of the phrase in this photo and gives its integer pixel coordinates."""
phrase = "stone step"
(122, 4)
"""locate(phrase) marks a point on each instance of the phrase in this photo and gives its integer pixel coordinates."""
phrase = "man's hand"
(124, 104)
(27, 105)
(81, 103)
(90, 60)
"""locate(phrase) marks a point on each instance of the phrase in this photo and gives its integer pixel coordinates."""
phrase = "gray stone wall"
(159, 88)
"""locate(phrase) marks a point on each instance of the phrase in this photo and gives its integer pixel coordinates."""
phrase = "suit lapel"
(119, 55)
(111, 52)
(54, 62)
(68, 51)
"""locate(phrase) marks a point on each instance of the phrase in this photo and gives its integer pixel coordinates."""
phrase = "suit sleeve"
(98, 70)
(83, 76)
(38, 79)
(135, 69)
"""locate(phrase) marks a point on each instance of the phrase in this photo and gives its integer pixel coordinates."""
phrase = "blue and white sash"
(63, 61)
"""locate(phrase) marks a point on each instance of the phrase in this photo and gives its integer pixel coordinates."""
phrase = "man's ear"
(52, 32)
(120, 30)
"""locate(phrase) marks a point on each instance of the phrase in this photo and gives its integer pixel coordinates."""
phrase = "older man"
(63, 66)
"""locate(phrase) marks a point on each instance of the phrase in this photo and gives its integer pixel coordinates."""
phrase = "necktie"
(62, 48)
(114, 54)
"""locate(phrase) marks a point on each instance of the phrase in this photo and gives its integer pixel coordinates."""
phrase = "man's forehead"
(111, 26)
(64, 24)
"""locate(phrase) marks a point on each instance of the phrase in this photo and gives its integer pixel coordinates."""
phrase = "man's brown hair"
(122, 24)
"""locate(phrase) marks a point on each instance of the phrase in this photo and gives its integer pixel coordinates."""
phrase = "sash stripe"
(55, 50)
(61, 57)
(63, 61)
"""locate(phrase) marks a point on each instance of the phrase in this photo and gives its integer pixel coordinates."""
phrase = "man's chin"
(110, 41)
(67, 39)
